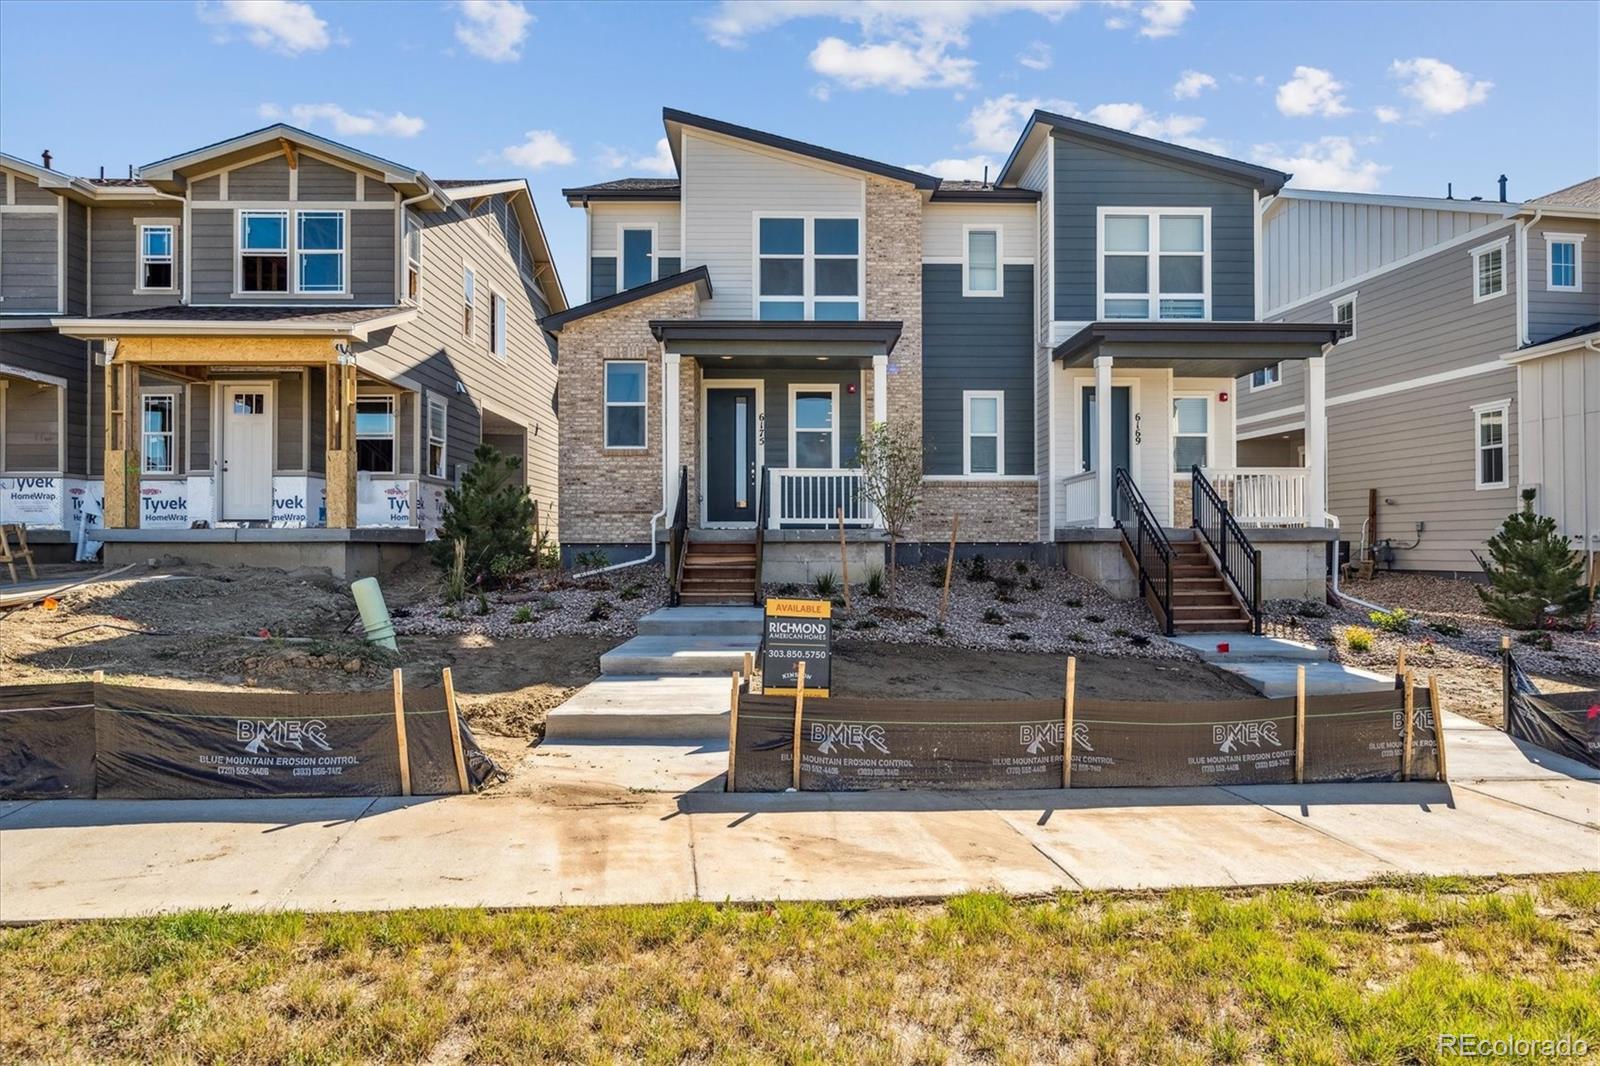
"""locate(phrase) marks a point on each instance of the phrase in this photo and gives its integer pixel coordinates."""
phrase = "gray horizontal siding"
(28, 261)
(1551, 314)
(976, 343)
(77, 258)
(116, 237)
(322, 181)
(1088, 177)
(371, 247)
(62, 357)
(266, 180)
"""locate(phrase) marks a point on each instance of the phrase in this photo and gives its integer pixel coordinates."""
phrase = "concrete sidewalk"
(670, 833)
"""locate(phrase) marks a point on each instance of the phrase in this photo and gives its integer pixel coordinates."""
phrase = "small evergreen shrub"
(1311, 609)
(1094, 619)
(593, 559)
(1535, 577)
(1018, 636)
(1139, 640)
(1072, 601)
(1537, 639)
(491, 514)
(600, 611)
(1005, 589)
(978, 569)
(1079, 638)
(1022, 566)
(1446, 628)
(1035, 585)
(631, 592)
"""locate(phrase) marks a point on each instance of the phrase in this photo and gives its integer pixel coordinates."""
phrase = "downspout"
(1522, 274)
(1333, 520)
(666, 491)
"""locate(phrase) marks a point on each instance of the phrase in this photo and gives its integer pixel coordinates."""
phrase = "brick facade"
(894, 287)
(992, 512)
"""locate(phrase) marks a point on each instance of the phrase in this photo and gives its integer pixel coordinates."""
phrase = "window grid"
(819, 292)
(982, 272)
(1489, 439)
(626, 418)
(159, 433)
(1191, 432)
(1149, 260)
(1488, 271)
(983, 425)
(155, 258)
(1564, 255)
(438, 421)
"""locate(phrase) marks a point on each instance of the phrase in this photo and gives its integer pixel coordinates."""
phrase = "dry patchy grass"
(1290, 975)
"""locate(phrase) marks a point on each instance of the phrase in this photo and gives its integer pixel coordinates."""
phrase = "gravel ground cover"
(604, 605)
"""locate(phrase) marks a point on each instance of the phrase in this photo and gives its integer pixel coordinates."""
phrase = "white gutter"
(1339, 594)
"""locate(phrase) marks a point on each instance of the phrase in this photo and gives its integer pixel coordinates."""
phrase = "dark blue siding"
(776, 423)
(1089, 176)
(602, 276)
(975, 343)
(668, 265)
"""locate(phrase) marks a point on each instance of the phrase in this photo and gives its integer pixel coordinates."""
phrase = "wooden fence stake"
(844, 557)
(1299, 725)
(1400, 663)
(99, 677)
(1410, 705)
(799, 709)
(749, 665)
(949, 565)
(733, 726)
(1438, 723)
(400, 733)
(454, 717)
(1066, 723)
(1505, 684)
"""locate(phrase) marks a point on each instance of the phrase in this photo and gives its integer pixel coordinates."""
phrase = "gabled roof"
(675, 120)
(646, 189)
(1585, 194)
(1501, 208)
(696, 276)
(1263, 178)
(46, 179)
(333, 321)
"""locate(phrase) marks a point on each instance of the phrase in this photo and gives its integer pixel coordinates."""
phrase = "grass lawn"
(1290, 975)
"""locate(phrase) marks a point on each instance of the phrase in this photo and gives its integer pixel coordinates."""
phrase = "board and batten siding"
(725, 185)
(1088, 177)
(1309, 245)
(1552, 313)
(116, 257)
(976, 343)
(1559, 426)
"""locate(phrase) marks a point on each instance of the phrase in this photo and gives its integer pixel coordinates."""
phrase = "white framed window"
(983, 432)
(263, 251)
(981, 270)
(814, 427)
(155, 258)
(1267, 377)
(319, 251)
(626, 418)
(1490, 468)
(1564, 262)
(412, 240)
(469, 299)
(809, 267)
(636, 256)
(497, 324)
(316, 245)
(438, 422)
(1153, 263)
(159, 426)
(1191, 432)
(1344, 313)
(1489, 271)
(375, 434)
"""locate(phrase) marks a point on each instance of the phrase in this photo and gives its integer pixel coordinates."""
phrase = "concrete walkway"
(630, 823)
(1270, 664)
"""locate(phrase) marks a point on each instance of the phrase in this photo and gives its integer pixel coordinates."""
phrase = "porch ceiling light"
(822, 358)
(727, 358)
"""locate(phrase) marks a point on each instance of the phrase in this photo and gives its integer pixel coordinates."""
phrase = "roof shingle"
(1584, 194)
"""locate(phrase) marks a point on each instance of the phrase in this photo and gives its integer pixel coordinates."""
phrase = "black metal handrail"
(1147, 542)
(763, 512)
(1240, 560)
(680, 535)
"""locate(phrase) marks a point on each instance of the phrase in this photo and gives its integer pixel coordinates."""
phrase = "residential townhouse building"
(1469, 373)
(275, 348)
(748, 317)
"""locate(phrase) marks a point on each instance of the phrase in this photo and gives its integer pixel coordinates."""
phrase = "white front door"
(246, 453)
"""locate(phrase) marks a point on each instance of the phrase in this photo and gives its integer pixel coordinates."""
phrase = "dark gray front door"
(731, 455)
(1121, 434)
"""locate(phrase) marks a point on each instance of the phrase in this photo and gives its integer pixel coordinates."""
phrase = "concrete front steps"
(687, 642)
(1271, 665)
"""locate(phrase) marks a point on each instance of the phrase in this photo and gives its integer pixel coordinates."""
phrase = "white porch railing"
(814, 497)
(1263, 495)
(1080, 500)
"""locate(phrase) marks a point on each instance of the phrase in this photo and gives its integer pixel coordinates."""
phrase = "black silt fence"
(1567, 723)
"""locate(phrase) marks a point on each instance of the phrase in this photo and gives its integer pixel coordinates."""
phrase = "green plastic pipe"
(374, 615)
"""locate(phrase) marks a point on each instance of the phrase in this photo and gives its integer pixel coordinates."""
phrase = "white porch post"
(1103, 472)
(669, 431)
(1316, 442)
(880, 389)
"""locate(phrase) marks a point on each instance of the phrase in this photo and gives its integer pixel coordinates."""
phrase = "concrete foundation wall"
(803, 562)
(1290, 569)
(344, 560)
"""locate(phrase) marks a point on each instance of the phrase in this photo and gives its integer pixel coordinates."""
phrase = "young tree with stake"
(890, 457)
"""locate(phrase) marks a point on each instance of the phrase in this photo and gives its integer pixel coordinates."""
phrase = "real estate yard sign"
(797, 631)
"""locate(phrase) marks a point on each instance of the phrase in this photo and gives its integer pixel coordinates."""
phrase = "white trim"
(296, 205)
(499, 341)
(1381, 390)
(1257, 260)
(1503, 409)
(369, 392)
(999, 398)
(836, 431)
(171, 396)
(38, 376)
(808, 297)
(655, 251)
(1152, 254)
(967, 479)
(643, 403)
(1274, 383)
(1348, 299)
(1554, 347)
(29, 209)
(706, 385)
(140, 225)
(409, 219)
(967, 231)
(1211, 429)
(1477, 255)
(292, 216)
(1082, 381)
(1574, 239)
(430, 401)
(1427, 203)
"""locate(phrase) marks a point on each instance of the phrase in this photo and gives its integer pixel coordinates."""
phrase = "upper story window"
(469, 298)
(1155, 263)
(980, 266)
(264, 251)
(1565, 271)
(413, 247)
(497, 324)
(638, 255)
(320, 251)
(808, 268)
(1344, 313)
(1489, 271)
(1266, 377)
(155, 258)
(316, 243)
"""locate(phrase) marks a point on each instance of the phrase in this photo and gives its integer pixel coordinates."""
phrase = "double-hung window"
(625, 404)
(1344, 314)
(1155, 263)
(1489, 271)
(469, 296)
(1266, 377)
(497, 324)
(814, 435)
(983, 430)
(808, 268)
(638, 249)
(315, 243)
(155, 258)
(438, 417)
(1564, 253)
(264, 251)
(413, 246)
(159, 433)
(320, 251)
(1191, 432)
(1489, 433)
(980, 273)
(375, 434)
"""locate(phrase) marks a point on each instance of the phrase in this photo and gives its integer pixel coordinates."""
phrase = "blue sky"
(1391, 97)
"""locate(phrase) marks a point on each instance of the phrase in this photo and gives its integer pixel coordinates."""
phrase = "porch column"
(1103, 472)
(121, 460)
(671, 365)
(341, 445)
(880, 389)
(1316, 442)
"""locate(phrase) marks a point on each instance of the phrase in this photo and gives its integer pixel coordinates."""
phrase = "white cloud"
(1327, 163)
(493, 29)
(822, 91)
(539, 149)
(1312, 91)
(996, 123)
(1164, 18)
(659, 162)
(971, 168)
(895, 66)
(278, 25)
(1136, 118)
(1192, 84)
(1386, 114)
(1037, 56)
(344, 123)
(1437, 87)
